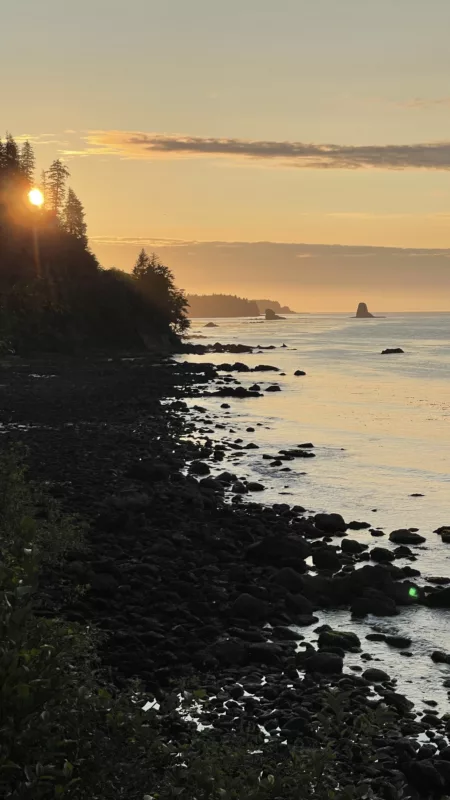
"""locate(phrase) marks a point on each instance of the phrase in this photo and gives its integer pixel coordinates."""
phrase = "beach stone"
(439, 599)
(273, 549)
(404, 536)
(199, 468)
(287, 634)
(248, 607)
(239, 488)
(330, 523)
(391, 350)
(381, 555)
(149, 471)
(326, 663)
(230, 651)
(440, 657)
(253, 486)
(376, 637)
(273, 388)
(265, 653)
(358, 526)
(374, 602)
(352, 547)
(326, 559)
(299, 372)
(290, 579)
(343, 639)
(398, 701)
(398, 641)
(374, 675)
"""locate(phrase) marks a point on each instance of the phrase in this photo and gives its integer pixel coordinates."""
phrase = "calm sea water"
(381, 429)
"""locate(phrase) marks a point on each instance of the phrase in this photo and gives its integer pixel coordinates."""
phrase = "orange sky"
(248, 121)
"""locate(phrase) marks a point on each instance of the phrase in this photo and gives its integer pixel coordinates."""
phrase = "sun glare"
(36, 197)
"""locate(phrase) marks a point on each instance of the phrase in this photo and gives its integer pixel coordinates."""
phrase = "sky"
(302, 132)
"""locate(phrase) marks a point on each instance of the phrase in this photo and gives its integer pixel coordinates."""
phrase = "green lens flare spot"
(413, 592)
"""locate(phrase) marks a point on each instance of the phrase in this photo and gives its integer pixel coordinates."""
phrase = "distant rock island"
(363, 312)
(270, 315)
(227, 305)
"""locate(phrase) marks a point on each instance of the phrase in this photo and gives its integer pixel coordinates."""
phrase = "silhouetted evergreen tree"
(73, 217)
(27, 162)
(56, 178)
(156, 282)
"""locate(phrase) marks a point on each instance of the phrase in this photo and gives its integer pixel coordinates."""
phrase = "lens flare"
(36, 197)
(412, 592)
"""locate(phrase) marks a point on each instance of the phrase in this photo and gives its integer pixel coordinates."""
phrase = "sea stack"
(363, 312)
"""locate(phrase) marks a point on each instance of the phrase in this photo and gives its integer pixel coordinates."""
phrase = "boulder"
(326, 558)
(275, 549)
(299, 373)
(248, 607)
(374, 602)
(343, 639)
(439, 657)
(402, 642)
(326, 663)
(290, 579)
(149, 471)
(374, 675)
(270, 315)
(253, 486)
(330, 523)
(230, 651)
(211, 325)
(381, 554)
(273, 388)
(265, 653)
(404, 536)
(391, 351)
(440, 599)
(352, 547)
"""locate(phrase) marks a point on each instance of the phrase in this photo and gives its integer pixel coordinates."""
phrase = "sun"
(36, 197)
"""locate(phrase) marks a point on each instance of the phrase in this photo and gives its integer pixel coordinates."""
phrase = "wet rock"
(230, 651)
(248, 607)
(239, 488)
(199, 468)
(398, 701)
(273, 388)
(289, 579)
(352, 547)
(267, 653)
(343, 639)
(330, 523)
(299, 373)
(275, 549)
(391, 350)
(404, 536)
(439, 599)
(254, 486)
(265, 368)
(376, 637)
(239, 392)
(326, 559)
(286, 634)
(255, 388)
(374, 602)
(374, 675)
(358, 526)
(381, 555)
(398, 641)
(440, 658)
(149, 471)
(325, 663)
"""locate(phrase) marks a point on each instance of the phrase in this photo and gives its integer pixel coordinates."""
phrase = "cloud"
(140, 241)
(138, 145)
(422, 103)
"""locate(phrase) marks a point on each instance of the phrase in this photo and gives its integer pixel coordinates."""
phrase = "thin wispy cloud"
(425, 103)
(138, 145)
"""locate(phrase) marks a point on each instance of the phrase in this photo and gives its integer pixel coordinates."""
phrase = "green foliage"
(155, 282)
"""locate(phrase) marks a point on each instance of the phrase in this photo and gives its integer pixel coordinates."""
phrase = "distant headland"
(227, 305)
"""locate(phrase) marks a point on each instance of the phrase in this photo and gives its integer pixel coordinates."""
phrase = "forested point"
(54, 295)
(227, 305)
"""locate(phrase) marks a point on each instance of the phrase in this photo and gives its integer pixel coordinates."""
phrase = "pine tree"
(27, 162)
(73, 217)
(56, 176)
(142, 265)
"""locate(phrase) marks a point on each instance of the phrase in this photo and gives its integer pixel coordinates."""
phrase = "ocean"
(380, 425)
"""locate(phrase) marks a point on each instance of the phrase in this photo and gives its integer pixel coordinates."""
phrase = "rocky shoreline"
(193, 590)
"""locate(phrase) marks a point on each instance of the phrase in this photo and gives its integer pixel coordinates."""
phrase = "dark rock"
(286, 634)
(398, 701)
(253, 486)
(248, 607)
(358, 526)
(326, 663)
(404, 536)
(398, 641)
(326, 558)
(230, 651)
(343, 639)
(270, 315)
(330, 523)
(440, 599)
(211, 325)
(363, 312)
(149, 471)
(374, 602)
(267, 653)
(376, 637)
(391, 350)
(273, 388)
(239, 488)
(374, 675)
(299, 373)
(352, 547)
(275, 549)
(381, 555)
(289, 579)
(199, 468)
(440, 658)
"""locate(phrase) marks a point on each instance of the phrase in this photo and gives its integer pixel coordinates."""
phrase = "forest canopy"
(54, 295)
